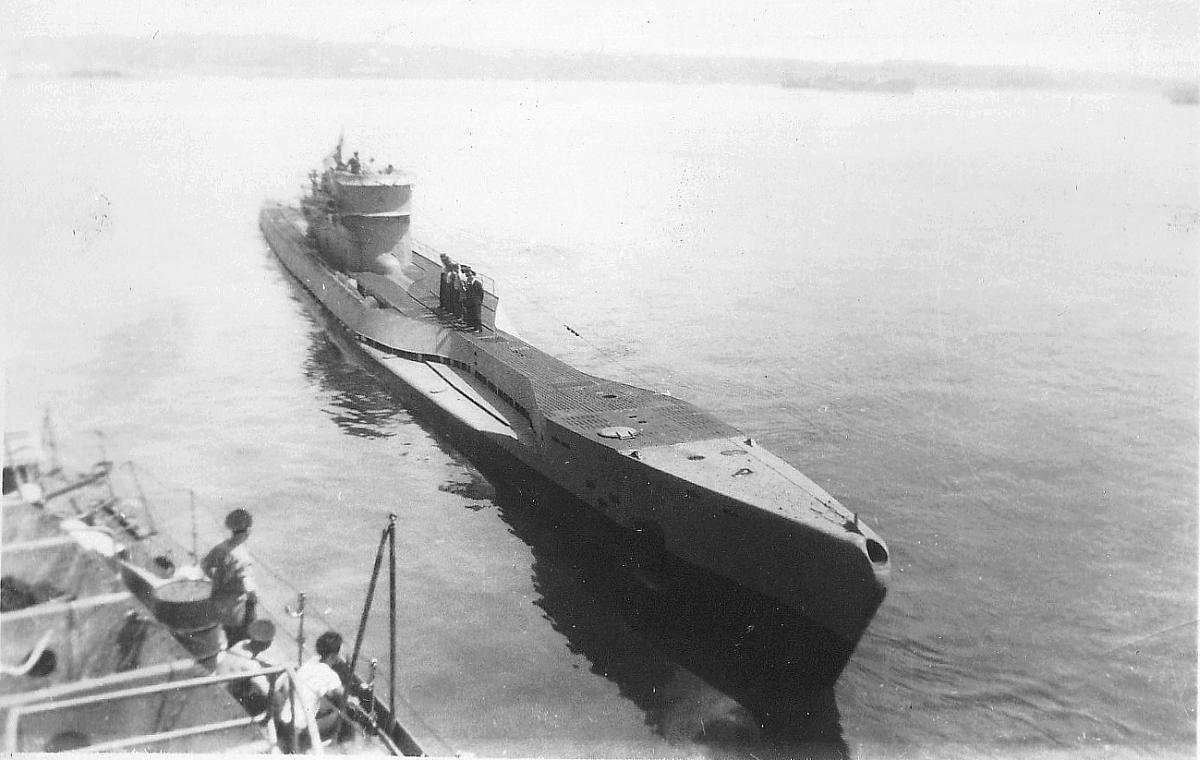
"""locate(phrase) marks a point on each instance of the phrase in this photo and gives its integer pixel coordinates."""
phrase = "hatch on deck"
(622, 432)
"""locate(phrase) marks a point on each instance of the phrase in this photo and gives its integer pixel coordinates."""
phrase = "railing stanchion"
(392, 606)
(388, 531)
(299, 613)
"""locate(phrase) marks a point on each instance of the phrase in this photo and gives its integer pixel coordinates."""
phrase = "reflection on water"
(358, 405)
(707, 662)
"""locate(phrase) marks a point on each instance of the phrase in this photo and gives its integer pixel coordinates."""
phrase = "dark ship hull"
(691, 489)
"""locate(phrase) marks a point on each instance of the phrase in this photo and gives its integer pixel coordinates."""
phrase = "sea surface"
(971, 316)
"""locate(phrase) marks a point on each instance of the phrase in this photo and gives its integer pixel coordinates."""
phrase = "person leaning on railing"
(250, 656)
(318, 691)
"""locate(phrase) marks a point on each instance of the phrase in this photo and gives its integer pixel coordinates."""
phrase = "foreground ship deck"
(681, 481)
(94, 659)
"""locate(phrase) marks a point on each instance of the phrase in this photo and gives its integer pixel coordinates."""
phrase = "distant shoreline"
(115, 57)
(1167, 91)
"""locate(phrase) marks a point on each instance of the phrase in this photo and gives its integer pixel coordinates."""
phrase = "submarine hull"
(710, 500)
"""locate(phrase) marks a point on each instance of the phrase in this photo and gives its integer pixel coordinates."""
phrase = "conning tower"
(368, 222)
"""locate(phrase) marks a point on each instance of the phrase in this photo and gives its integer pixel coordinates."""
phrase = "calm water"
(971, 316)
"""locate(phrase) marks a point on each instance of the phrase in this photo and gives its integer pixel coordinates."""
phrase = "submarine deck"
(574, 399)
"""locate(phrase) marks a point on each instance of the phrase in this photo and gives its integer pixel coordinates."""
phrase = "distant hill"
(280, 56)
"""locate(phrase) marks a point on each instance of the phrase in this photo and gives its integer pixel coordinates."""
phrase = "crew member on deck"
(229, 565)
(318, 691)
(248, 656)
(457, 291)
(354, 164)
(474, 301)
(444, 284)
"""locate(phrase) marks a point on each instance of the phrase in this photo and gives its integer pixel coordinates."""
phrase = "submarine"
(686, 488)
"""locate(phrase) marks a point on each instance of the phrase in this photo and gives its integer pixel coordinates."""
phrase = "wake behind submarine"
(686, 486)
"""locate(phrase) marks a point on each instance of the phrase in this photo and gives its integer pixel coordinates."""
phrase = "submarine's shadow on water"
(707, 662)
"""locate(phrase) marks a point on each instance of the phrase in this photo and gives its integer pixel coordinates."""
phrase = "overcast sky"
(1140, 36)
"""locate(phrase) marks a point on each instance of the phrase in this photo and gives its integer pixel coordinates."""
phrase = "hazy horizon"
(107, 54)
(1134, 37)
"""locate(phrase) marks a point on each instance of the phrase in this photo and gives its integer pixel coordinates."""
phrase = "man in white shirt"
(319, 692)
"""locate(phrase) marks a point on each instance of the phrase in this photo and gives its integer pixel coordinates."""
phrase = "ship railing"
(427, 292)
(40, 705)
(433, 255)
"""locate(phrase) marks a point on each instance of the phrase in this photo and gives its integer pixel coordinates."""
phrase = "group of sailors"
(354, 164)
(324, 693)
(460, 295)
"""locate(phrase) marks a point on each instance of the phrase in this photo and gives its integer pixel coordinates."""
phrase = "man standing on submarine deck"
(445, 285)
(474, 301)
(457, 292)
